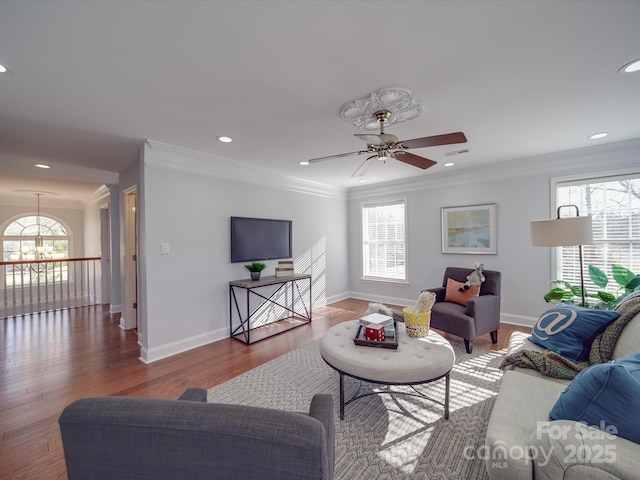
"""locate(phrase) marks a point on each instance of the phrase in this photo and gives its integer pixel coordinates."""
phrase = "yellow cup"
(417, 324)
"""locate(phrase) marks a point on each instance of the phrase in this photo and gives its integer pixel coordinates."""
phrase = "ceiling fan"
(386, 145)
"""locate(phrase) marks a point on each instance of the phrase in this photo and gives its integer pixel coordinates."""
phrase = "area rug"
(385, 436)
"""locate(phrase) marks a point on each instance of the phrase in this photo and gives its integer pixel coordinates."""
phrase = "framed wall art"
(469, 229)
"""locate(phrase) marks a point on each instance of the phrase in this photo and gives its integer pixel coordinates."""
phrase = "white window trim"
(382, 280)
(578, 179)
(13, 218)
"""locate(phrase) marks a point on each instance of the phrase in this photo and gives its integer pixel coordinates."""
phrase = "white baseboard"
(173, 348)
(332, 299)
(115, 309)
(164, 351)
(382, 299)
(510, 318)
(123, 323)
(520, 320)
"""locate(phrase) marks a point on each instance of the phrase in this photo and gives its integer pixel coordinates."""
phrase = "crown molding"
(51, 202)
(597, 160)
(99, 195)
(183, 160)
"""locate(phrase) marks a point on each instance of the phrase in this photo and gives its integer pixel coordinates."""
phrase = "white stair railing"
(39, 285)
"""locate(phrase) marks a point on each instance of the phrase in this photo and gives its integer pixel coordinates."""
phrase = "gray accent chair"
(481, 315)
(148, 438)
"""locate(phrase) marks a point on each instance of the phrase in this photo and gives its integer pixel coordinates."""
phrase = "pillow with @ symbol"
(569, 330)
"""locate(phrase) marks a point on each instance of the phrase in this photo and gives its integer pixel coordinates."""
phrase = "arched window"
(20, 238)
(32, 238)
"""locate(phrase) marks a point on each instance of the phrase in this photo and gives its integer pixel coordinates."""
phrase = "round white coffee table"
(416, 361)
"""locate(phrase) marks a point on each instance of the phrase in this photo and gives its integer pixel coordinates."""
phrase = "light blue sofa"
(520, 444)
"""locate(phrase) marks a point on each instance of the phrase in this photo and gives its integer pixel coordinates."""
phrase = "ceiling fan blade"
(434, 141)
(330, 157)
(379, 139)
(414, 160)
(364, 166)
(370, 138)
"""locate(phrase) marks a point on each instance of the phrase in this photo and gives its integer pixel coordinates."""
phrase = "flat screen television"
(254, 239)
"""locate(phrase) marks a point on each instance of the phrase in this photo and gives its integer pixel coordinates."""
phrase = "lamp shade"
(558, 232)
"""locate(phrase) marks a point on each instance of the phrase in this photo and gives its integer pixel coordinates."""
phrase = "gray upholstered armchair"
(481, 314)
(147, 438)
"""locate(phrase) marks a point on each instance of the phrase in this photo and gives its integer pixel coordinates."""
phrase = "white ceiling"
(89, 81)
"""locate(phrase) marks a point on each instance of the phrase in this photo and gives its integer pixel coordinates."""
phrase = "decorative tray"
(390, 340)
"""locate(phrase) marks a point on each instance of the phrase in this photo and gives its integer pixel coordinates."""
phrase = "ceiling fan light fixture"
(384, 146)
(449, 164)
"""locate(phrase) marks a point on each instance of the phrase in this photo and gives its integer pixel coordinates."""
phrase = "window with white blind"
(614, 205)
(383, 241)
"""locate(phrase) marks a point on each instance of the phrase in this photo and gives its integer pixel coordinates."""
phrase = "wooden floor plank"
(50, 359)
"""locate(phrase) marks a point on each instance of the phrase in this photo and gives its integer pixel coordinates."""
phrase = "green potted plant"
(627, 282)
(255, 268)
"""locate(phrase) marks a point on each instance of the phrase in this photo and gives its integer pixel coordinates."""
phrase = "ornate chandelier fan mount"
(376, 112)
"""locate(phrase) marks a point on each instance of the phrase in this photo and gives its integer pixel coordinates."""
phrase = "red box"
(374, 332)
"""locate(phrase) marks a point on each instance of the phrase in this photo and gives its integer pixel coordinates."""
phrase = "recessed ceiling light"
(303, 162)
(450, 164)
(3, 69)
(362, 180)
(225, 139)
(631, 67)
(41, 165)
(597, 136)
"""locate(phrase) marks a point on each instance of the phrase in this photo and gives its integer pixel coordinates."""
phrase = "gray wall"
(521, 192)
(186, 198)
(186, 292)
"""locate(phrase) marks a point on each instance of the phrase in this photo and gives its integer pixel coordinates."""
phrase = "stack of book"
(284, 268)
(374, 325)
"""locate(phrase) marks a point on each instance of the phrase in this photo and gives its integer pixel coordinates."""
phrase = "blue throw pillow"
(569, 330)
(606, 396)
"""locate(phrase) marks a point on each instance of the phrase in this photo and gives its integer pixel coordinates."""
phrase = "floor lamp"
(564, 232)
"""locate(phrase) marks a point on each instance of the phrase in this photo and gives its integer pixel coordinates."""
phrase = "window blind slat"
(383, 240)
(614, 205)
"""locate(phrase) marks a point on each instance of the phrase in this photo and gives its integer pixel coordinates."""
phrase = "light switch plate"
(164, 249)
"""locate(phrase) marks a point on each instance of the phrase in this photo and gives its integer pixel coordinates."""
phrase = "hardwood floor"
(51, 359)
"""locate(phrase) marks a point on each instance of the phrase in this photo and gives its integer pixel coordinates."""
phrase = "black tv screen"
(254, 239)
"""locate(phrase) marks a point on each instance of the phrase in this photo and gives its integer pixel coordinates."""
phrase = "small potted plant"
(255, 268)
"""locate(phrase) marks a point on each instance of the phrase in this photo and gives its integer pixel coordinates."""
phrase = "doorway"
(105, 254)
(129, 319)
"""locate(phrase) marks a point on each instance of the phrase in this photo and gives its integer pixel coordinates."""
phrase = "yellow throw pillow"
(453, 295)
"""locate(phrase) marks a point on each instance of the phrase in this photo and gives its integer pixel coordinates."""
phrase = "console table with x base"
(242, 331)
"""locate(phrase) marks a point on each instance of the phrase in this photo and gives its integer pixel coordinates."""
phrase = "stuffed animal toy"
(474, 278)
(397, 315)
